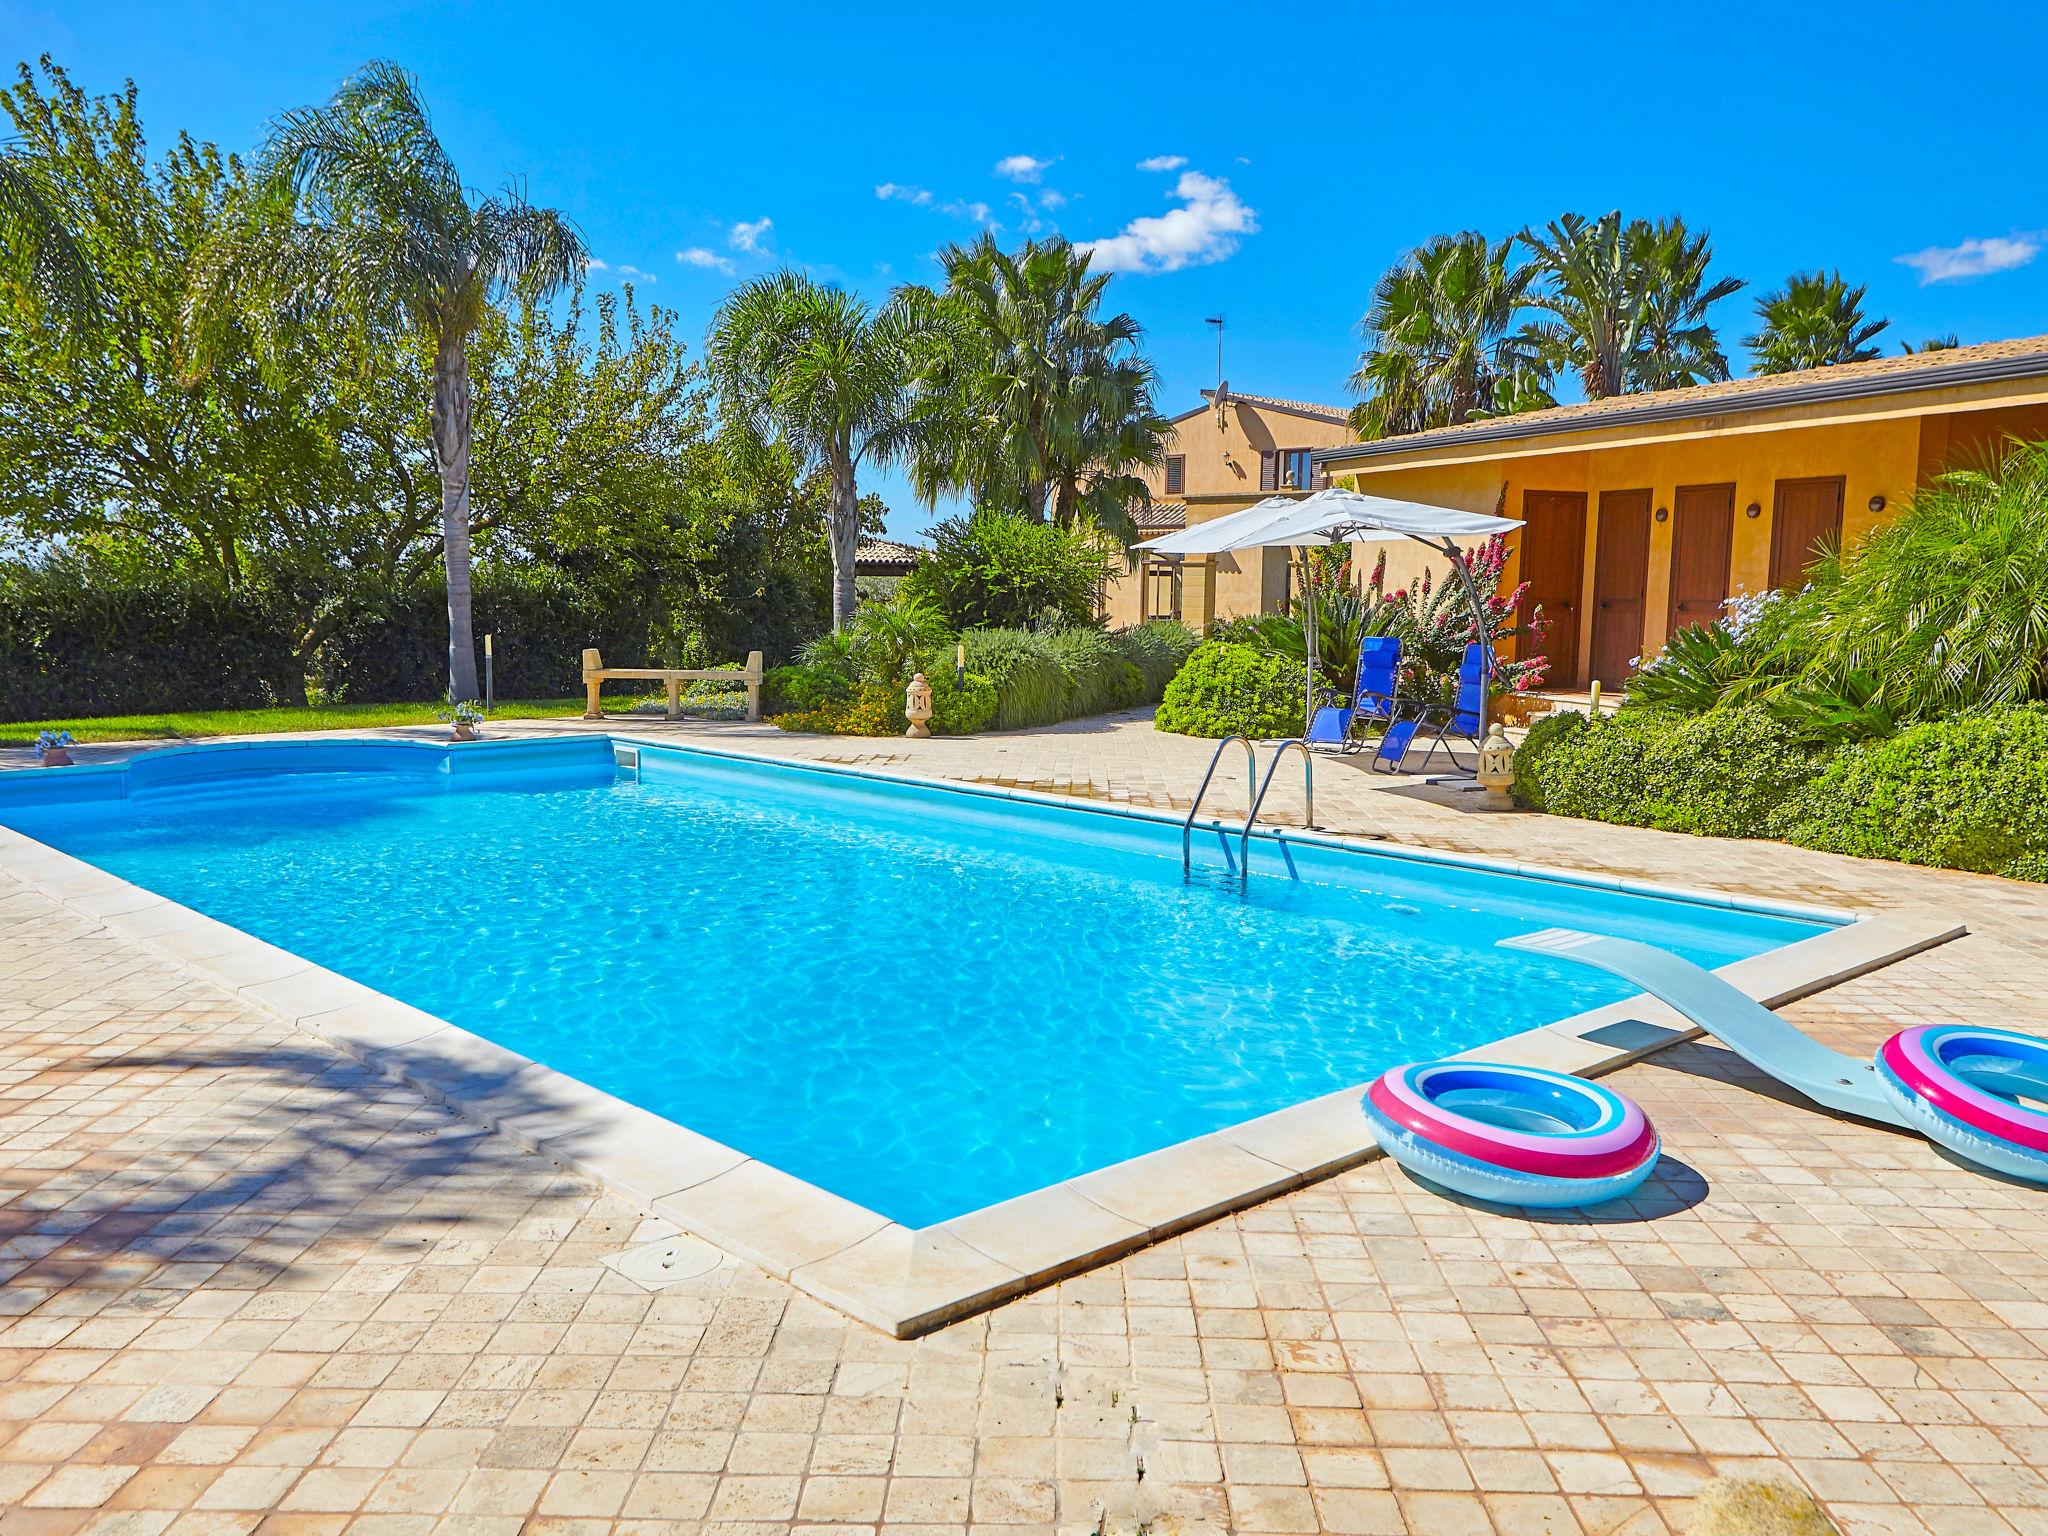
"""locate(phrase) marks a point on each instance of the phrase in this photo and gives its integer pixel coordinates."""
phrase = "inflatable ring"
(1514, 1135)
(1964, 1088)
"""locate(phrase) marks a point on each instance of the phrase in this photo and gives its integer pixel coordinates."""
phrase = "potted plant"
(465, 717)
(53, 749)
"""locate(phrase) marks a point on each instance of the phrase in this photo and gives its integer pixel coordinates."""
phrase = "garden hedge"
(1961, 793)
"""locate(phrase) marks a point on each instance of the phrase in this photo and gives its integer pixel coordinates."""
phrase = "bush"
(1099, 675)
(876, 709)
(869, 709)
(1032, 686)
(786, 690)
(1958, 794)
(993, 570)
(1727, 773)
(962, 710)
(79, 640)
(1157, 650)
(1225, 690)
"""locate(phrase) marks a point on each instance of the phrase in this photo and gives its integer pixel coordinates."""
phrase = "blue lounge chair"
(1372, 698)
(1441, 724)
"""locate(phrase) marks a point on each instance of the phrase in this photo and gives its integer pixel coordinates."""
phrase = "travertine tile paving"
(246, 1284)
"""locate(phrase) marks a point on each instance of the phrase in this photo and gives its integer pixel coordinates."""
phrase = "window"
(1285, 469)
(1176, 474)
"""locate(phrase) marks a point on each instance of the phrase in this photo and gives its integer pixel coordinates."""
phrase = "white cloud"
(1204, 229)
(626, 273)
(896, 192)
(1021, 168)
(1162, 162)
(698, 256)
(749, 237)
(1051, 200)
(1973, 258)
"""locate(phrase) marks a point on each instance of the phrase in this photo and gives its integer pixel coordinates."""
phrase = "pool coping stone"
(900, 1280)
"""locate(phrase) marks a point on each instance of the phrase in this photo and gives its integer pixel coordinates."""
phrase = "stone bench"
(596, 674)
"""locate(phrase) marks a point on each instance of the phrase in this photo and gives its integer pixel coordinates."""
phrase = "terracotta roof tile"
(1298, 407)
(1759, 391)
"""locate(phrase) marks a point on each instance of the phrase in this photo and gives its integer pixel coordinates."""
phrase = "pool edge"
(900, 1280)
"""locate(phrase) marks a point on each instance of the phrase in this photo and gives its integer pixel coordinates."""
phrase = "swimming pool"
(922, 1000)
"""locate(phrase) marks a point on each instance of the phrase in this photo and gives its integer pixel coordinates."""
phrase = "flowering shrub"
(1434, 622)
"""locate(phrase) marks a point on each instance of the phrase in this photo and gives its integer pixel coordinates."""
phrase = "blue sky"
(1262, 162)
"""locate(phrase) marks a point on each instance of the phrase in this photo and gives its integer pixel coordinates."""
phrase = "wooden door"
(1702, 534)
(1621, 575)
(1554, 566)
(1803, 513)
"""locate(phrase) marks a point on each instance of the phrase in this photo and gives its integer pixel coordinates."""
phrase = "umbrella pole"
(1308, 632)
(1464, 570)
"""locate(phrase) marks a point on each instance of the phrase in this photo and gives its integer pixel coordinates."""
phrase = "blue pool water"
(922, 1001)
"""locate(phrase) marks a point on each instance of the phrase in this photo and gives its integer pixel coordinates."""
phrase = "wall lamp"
(1754, 509)
(1877, 503)
(1663, 513)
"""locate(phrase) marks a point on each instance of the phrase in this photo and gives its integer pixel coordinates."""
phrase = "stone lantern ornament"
(917, 707)
(1497, 767)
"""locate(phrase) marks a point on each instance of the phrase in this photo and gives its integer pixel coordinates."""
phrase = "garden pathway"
(246, 1285)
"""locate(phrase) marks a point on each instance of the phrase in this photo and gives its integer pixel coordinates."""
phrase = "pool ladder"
(1255, 789)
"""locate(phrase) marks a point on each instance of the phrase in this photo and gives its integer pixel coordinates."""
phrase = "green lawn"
(190, 724)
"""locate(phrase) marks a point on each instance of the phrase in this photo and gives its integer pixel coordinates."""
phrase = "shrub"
(785, 690)
(1727, 773)
(1032, 687)
(1157, 650)
(869, 709)
(876, 709)
(1101, 677)
(1224, 690)
(994, 570)
(1959, 794)
(964, 709)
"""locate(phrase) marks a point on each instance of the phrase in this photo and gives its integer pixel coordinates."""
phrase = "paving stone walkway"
(247, 1285)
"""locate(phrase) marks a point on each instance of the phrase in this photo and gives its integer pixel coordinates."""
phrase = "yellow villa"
(1225, 454)
(1644, 512)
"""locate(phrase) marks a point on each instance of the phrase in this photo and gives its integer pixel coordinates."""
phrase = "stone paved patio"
(246, 1284)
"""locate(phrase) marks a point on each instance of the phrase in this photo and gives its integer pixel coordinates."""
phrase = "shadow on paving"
(255, 1154)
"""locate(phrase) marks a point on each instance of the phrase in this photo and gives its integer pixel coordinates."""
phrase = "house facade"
(1225, 454)
(1645, 512)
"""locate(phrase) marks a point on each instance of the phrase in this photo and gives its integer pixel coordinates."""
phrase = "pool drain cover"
(655, 1265)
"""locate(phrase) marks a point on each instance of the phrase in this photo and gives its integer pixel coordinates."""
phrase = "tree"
(1940, 343)
(1675, 345)
(1815, 320)
(36, 246)
(1439, 350)
(356, 206)
(817, 368)
(1030, 395)
(1593, 288)
(110, 447)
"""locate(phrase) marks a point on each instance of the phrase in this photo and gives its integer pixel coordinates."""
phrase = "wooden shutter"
(1269, 471)
(1176, 474)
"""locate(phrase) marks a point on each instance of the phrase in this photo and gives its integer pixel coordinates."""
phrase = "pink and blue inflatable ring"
(1512, 1135)
(1961, 1087)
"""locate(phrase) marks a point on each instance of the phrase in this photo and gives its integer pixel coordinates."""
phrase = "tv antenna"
(1217, 321)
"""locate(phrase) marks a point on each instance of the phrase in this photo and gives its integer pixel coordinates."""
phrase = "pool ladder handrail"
(1256, 788)
(1187, 827)
(1308, 793)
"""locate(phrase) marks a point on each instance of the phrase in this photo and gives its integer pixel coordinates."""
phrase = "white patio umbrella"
(1346, 517)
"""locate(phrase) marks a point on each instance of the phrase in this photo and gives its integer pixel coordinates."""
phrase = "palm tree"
(1038, 399)
(1676, 346)
(1815, 320)
(1593, 288)
(1439, 351)
(831, 378)
(356, 204)
(1932, 344)
(36, 245)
